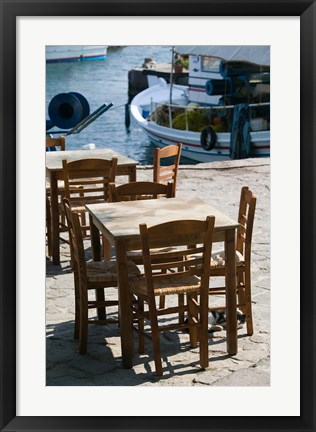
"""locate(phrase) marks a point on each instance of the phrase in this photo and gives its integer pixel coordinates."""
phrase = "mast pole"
(171, 78)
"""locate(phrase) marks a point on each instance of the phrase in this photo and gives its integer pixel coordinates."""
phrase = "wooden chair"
(59, 142)
(89, 276)
(87, 182)
(167, 172)
(174, 276)
(139, 190)
(246, 216)
(135, 191)
(56, 142)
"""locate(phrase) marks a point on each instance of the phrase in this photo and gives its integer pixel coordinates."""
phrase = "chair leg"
(162, 299)
(181, 299)
(141, 339)
(100, 297)
(203, 337)
(83, 221)
(77, 307)
(155, 336)
(162, 302)
(181, 303)
(49, 227)
(240, 280)
(62, 215)
(244, 298)
(192, 314)
(249, 321)
(83, 334)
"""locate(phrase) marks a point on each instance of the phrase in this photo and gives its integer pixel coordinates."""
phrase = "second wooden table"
(54, 170)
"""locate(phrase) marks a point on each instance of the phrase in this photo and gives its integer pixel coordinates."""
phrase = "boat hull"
(161, 136)
(73, 53)
(192, 149)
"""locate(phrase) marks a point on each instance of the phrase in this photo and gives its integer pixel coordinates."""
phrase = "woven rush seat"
(167, 285)
(106, 271)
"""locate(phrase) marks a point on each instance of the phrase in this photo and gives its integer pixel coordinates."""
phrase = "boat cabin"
(217, 81)
(230, 75)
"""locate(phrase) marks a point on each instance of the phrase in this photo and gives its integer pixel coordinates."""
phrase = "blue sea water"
(102, 82)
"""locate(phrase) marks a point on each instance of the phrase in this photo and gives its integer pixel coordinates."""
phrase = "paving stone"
(245, 377)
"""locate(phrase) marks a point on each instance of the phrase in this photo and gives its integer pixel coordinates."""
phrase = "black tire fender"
(208, 138)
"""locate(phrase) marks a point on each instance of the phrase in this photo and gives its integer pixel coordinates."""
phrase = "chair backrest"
(192, 237)
(246, 217)
(87, 180)
(169, 171)
(56, 142)
(139, 190)
(76, 242)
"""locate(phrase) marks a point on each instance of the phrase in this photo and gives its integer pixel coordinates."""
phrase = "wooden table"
(54, 170)
(119, 223)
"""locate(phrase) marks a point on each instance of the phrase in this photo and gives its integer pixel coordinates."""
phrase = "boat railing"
(190, 108)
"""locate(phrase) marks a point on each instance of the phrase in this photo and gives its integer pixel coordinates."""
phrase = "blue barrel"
(84, 103)
(66, 110)
(216, 87)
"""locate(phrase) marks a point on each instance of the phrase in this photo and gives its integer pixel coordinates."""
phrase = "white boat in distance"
(71, 53)
(223, 113)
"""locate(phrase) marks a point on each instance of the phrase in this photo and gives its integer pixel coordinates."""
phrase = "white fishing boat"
(71, 53)
(224, 112)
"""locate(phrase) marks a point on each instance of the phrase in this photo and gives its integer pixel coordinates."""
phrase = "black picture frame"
(9, 11)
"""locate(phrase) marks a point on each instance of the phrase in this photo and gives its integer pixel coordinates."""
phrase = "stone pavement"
(220, 184)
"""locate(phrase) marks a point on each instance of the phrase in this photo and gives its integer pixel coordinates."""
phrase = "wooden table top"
(54, 159)
(122, 219)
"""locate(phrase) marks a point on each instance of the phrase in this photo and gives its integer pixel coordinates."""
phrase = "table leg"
(55, 217)
(231, 301)
(125, 311)
(106, 249)
(132, 174)
(95, 241)
(96, 254)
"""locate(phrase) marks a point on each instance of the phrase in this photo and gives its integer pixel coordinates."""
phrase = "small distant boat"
(72, 53)
(224, 112)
